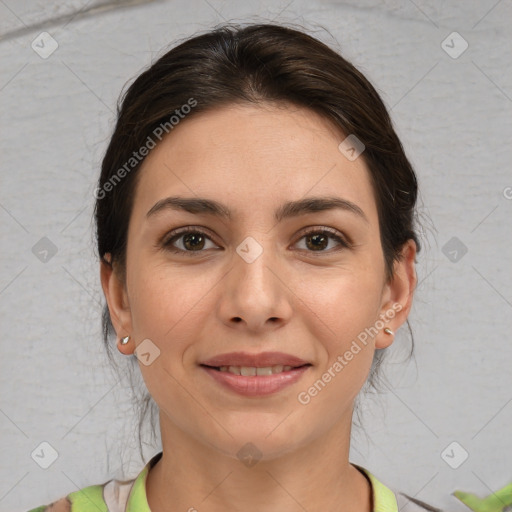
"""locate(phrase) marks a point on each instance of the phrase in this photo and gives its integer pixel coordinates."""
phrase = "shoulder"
(111, 496)
(62, 505)
(88, 499)
(413, 504)
(391, 499)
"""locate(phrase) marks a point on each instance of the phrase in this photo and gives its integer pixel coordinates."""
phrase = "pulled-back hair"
(255, 64)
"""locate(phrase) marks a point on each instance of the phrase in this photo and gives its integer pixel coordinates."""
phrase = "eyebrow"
(287, 210)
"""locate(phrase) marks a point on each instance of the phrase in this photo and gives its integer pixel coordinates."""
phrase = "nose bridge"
(253, 293)
(253, 260)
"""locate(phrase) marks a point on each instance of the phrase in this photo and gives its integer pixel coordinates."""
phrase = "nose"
(255, 294)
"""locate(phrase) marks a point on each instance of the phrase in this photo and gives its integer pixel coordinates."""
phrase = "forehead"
(253, 155)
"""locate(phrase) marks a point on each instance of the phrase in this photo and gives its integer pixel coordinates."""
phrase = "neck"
(194, 476)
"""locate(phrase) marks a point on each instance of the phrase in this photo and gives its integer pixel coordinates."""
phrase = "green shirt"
(130, 496)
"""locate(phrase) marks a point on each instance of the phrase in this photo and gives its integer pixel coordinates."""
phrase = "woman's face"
(265, 270)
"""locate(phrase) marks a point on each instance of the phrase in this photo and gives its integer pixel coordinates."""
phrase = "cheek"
(164, 302)
(340, 315)
(340, 311)
(166, 306)
(341, 304)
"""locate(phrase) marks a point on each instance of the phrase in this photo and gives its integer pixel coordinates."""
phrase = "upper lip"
(261, 360)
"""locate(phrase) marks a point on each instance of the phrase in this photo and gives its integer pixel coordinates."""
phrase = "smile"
(256, 381)
(248, 371)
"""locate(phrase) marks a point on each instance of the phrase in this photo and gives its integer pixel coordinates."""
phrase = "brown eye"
(193, 241)
(318, 240)
(188, 241)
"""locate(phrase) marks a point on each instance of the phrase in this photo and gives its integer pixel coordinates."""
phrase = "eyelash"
(331, 233)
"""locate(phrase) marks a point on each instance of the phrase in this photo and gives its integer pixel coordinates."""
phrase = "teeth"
(249, 371)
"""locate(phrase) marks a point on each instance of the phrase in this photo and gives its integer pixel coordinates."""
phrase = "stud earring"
(387, 330)
(125, 340)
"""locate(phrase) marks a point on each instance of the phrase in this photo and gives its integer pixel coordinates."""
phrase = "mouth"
(255, 375)
(255, 371)
(261, 361)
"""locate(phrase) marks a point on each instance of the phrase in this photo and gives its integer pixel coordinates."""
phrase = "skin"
(292, 299)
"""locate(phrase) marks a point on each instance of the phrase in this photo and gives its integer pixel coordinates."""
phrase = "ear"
(398, 294)
(117, 300)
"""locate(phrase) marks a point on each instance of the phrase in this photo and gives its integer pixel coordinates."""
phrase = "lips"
(261, 360)
(255, 385)
(255, 375)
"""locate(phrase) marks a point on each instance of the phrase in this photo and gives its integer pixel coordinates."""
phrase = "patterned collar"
(384, 500)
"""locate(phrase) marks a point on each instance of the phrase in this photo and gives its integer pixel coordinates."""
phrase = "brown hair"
(259, 63)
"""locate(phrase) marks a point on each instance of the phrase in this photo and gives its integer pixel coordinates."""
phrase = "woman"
(255, 226)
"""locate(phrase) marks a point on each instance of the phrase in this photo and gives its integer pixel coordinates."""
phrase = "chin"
(260, 442)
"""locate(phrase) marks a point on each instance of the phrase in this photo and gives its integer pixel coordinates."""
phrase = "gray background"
(454, 118)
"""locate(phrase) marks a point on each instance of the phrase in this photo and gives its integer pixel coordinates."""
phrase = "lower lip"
(257, 385)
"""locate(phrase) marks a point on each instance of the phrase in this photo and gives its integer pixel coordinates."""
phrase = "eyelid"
(176, 233)
(343, 240)
(326, 229)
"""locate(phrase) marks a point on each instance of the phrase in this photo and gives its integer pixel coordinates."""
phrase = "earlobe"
(116, 297)
(398, 295)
